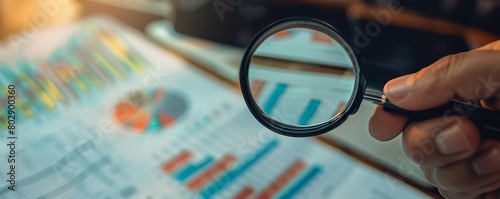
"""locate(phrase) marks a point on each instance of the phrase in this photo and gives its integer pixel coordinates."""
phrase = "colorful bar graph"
(245, 193)
(72, 71)
(223, 181)
(191, 169)
(301, 183)
(285, 178)
(177, 162)
(211, 173)
(311, 108)
(273, 99)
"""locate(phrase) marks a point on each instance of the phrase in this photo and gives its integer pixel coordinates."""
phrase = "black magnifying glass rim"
(310, 130)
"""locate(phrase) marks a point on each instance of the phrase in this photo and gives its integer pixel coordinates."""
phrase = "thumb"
(470, 76)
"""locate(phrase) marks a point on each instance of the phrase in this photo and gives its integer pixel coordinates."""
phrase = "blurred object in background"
(483, 14)
(393, 37)
(401, 37)
(237, 23)
(29, 15)
(135, 13)
(223, 60)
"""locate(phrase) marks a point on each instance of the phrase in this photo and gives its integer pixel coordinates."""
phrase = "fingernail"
(451, 140)
(487, 163)
(398, 88)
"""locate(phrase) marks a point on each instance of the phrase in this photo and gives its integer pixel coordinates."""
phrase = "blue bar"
(231, 175)
(309, 112)
(192, 168)
(300, 183)
(273, 99)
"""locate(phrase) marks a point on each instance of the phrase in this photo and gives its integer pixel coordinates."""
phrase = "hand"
(448, 149)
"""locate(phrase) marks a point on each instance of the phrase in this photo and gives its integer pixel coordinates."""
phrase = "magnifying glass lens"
(301, 77)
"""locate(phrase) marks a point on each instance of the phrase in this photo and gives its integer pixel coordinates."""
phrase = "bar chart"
(294, 103)
(209, 177)
(246, 163)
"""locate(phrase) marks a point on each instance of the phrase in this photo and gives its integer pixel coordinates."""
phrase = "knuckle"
(447, 63)
(439, 71)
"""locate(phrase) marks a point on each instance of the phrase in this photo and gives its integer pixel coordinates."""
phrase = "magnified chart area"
(302, 77)
(150, 110)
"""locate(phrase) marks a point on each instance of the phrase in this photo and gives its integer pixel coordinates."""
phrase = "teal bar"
(6, 72)
(300, 183)
(309, 111)
(273, 99)
(189, 170)
(225, 180)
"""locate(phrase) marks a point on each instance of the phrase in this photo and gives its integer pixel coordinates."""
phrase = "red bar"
(176, 162)
(256, 87)
(211, 173)
(340, 108)
(244, 193)
(321, 38)
(282, 180)
(283, 33)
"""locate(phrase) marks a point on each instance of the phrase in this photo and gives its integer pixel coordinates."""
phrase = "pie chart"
(150, 110)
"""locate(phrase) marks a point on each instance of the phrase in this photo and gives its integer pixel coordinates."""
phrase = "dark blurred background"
(393, 37)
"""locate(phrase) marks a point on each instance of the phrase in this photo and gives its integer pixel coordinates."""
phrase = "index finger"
(491, 46)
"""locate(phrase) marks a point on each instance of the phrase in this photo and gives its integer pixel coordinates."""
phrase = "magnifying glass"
(300, 78)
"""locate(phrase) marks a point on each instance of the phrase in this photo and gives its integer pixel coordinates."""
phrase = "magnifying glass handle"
(487, 120)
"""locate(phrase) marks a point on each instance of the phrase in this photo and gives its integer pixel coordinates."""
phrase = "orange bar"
(256, 87)
(282, 180)
(340, 108)
(211, 173)
(244, 193)
(321, 38)
(283, 33)
(176, 162)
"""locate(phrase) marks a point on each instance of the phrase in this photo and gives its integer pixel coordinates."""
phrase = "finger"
(491, 46)
(477, 175)
(441, 141)
(492, 103)
(470, 76)
(385, 126)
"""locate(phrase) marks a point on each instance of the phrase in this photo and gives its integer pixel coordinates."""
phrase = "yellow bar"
(121, 51)
(53, 91)
(47, 101)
